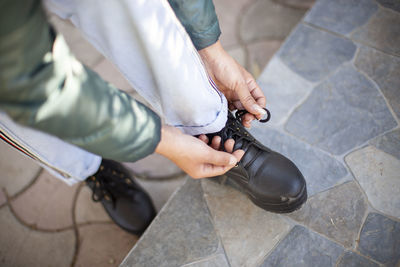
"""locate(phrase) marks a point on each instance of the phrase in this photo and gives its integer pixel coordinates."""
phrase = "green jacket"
(44, 87)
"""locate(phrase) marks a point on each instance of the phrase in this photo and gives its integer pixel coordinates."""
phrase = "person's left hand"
(238, 86)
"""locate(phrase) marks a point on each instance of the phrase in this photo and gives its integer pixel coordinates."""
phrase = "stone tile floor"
(333, 89)
(46, 223)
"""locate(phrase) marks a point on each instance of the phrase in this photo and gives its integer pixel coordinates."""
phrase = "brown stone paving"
(44, 220)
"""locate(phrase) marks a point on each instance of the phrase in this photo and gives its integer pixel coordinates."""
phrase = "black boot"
(270, 180)
(128, 205)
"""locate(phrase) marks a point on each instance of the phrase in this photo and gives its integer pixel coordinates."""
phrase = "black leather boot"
(128, 205)
(270, 180)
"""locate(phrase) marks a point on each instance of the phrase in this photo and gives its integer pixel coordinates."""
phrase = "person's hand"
(194, 156)
(238, 86)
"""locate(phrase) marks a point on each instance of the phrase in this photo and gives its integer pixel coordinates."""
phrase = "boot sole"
(284, 207)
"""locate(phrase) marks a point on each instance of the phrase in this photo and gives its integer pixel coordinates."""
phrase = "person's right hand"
(194, 156)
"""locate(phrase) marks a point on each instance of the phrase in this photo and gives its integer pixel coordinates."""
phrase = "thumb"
(220, 158)
(248, 101)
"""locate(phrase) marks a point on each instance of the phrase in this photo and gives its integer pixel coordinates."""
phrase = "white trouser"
(147, 43)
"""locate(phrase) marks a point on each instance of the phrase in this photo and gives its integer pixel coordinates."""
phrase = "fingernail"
(232, 161)
(260, 110)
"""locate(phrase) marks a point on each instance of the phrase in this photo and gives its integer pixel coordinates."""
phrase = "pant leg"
(145, 40)
(65, 161)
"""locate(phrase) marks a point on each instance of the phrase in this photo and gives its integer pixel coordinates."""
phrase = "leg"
(150, 47)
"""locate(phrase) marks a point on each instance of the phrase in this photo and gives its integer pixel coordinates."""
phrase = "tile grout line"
(75, 227)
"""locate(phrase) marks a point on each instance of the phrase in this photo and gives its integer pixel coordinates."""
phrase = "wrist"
(168, 135)
(211, 52)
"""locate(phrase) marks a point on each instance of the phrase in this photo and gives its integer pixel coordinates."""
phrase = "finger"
(238, 154)
(216, 142)
(247, 119)
(248, 101)
(238, 105)
(254, 89)
(210, 170)
(220, 158)
(204, 138)
(229, 145)
(231, 106)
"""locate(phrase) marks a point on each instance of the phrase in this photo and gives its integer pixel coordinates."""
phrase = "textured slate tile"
(320, 170)
(378, 175)
(384, 69)
(343, 112)
(314, 54)
(283, 89)
(351, 259)
(390, 143)
(267, 19)
(218, 260)
(301, 247)
(341, 16)
(181, 233)
(380, 239)
(382, 31)
(247, 232)
(260, 53)
(392, 4)
(337, 213)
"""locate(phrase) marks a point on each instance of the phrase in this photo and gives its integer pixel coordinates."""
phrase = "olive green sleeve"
(44, 87)
(199, 19)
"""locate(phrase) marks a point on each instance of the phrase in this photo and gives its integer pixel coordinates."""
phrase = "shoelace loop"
(240, 113)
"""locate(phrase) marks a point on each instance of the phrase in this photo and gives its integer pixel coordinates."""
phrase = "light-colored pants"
(147, 43)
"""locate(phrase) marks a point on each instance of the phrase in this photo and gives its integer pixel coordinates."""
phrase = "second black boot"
(271, 181)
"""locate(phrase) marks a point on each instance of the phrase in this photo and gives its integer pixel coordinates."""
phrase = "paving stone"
(392, 4)
(247, 232)
(384, 70)
(283, 89)
(267, 19)
(216, 261)
(3, 198)
(302, 4)
(181, 233)
(103, 245)
(351, 259)
(238, 54)
(17, 170)
(87, 210)
(343, 112)
(260, 53)
(341, 16)
(160, 191)
(229, 13)
(314, 54)
(378, 174)
(390, 143)
(301, 247)
(381, 31)
(337, 213)
(320, 170)
(380, 239)
(47, 204)
(111, 74)
(20, 246)
(155, 166)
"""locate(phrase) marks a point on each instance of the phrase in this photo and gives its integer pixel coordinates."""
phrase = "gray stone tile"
(181, 233)
(378, 174)
(392, 4)
(301, 247)
(247, 232)
(343, 112)
(20, 246)
(314, 54)
(351, 259)
(320, 170)
(390, 143)
(218, 260)
(260, 53)
(302, 4)
(337, 213)
(384, 70)
(283, 89)
(341, 16)
(380, 239)
(267, 19)
(381, 31)
(17, 170)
